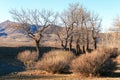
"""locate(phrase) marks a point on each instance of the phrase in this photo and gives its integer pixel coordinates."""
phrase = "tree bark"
(87, 45)
(95, 42)
(87, 41)
(78, 50)
(84, 49)
(70, 43)
(66, 42)
(37, 48)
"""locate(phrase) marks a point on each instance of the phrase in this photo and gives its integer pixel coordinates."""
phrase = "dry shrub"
(55, 61)
(110, 64)
(91, 63)
(118, 58)
(112, 51)
(28, 58)
(108, 67)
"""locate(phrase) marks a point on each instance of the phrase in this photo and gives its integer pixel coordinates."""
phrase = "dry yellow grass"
(55, 61)
(28, 58)
(90, 63)
(41, 75)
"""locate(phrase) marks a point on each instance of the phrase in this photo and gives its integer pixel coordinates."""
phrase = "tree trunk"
(87, 44)
(84, 49)
(62, 44)
(37, 48)
(65, 47)
(70, 44)
(95, 44)
(78, 50)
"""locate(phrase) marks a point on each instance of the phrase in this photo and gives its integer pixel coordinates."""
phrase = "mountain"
(7, 31)
(3, 26)
(53, 29)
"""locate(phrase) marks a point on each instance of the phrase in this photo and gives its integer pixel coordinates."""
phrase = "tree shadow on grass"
(112, 75)
(111, 70)
(8, 58)
(7, 67)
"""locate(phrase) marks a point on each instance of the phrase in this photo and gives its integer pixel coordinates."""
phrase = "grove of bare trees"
(81, 28)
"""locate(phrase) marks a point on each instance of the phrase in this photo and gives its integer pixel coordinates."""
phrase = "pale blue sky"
(106, 9)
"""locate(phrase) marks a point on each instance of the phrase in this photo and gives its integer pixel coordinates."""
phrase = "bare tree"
(95, 28)
(116, 23)
(82, 20)
(68, 22)
(113, 36)
(29, 19)
(66, 35)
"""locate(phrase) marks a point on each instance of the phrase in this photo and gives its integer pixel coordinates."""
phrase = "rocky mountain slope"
(9, 33)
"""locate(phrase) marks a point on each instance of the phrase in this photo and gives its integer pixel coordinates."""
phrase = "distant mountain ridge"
(5, 27)
(7, 31)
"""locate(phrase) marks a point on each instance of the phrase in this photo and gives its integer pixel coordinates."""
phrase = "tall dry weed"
(91, 63)
(28, 58)
(55, 61)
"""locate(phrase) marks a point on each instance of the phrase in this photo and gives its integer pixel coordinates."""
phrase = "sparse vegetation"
(28, 58)
(79, 48)
(55, 61)
(95, 63)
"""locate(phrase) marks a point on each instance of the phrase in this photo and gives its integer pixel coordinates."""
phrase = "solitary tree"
(114, 32)
(116, 23)
(33, 22)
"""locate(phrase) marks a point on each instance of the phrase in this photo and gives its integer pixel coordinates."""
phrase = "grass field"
(12, 69)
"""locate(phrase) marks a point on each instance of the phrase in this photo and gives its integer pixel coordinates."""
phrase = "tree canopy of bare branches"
(116, 24)
(33, 22)
(80, 27)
